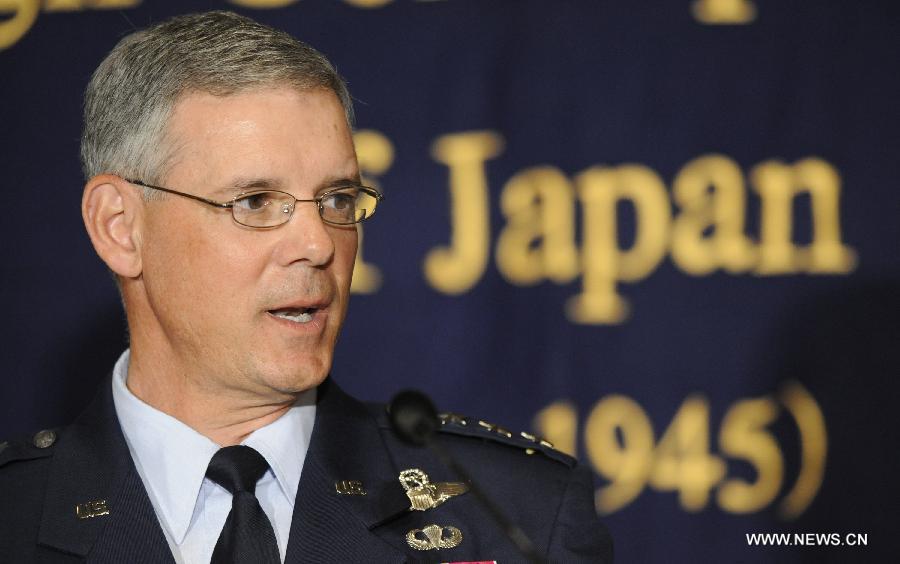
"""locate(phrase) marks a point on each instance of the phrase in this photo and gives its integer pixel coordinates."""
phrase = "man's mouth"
(295, 314)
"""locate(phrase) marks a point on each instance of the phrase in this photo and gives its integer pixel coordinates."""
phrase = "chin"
(295, 379)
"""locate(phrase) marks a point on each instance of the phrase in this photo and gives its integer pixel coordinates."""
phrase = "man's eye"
(339, 200)
(254, 202)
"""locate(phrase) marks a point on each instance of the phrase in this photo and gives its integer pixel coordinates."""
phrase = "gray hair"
(132, 93)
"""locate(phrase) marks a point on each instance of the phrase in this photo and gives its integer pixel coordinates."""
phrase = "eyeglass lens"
(268, 209)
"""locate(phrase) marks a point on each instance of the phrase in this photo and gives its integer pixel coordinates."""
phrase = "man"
(223, 192)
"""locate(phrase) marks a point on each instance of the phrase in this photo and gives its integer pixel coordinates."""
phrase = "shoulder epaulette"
(38, 446)
(456, 424)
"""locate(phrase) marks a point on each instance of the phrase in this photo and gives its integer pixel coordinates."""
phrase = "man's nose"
(305, 237)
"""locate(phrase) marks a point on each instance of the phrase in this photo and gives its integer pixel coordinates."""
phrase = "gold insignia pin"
(453, 418)
(434, 537)
(425, 495)
(90, 509)
(349, 487)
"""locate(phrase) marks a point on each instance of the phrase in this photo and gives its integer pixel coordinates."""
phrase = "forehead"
(299, 136)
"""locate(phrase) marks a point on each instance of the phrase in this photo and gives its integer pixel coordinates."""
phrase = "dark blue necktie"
(247, 537)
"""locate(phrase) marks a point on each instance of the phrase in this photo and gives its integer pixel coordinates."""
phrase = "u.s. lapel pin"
(90, 509)
(349, 487)
(423, 494)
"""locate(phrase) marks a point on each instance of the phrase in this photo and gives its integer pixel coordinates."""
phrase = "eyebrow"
(240, 185)
(335, 182)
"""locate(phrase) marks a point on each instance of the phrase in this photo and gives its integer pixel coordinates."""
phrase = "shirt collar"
(172, 457)
(285, 441)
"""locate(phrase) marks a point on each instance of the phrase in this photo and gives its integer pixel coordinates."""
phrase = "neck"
(225, 415)
(170, 379)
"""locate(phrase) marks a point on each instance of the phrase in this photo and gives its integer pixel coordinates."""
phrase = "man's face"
(227, 304)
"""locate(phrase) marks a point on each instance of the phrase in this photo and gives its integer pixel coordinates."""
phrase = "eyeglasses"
(344, 205)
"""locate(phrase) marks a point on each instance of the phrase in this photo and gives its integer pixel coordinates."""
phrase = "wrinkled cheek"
(184, 285)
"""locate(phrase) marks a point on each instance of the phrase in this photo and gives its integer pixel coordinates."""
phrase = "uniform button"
(45, 438)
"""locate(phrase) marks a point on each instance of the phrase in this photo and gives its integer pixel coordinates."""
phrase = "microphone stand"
(515, 534)
(414, 419)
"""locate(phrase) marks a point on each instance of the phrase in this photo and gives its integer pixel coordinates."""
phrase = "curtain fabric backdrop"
(661, 234)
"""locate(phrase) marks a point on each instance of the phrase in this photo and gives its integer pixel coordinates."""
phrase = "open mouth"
(296, 315)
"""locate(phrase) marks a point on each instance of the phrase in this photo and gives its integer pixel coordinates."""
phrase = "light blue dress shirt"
(171, 459)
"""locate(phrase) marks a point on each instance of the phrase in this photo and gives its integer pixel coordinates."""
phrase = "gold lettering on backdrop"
(706, 233)
(813, 448)
(743, 436)
(538, 241)
(375, 154)
(682, 461)
(778, 184)
(558, 423)
(604, 263)
(620, 444)
(63, 5)
(710, 192)
(24, 13)
(77, 5)
(457, 268)
(368, 3)
(727, 12)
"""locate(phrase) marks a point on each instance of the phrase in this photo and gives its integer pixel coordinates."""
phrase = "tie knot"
(237, 468)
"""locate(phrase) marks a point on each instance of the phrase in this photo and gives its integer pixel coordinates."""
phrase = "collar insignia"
(90, 509)
(349, 487)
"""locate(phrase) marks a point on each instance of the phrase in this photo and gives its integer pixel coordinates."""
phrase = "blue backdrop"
(663, 234)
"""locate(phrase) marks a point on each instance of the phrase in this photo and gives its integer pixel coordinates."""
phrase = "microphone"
(414, 419)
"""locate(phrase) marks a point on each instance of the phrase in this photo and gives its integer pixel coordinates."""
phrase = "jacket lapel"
(331, 527)
(92, 469)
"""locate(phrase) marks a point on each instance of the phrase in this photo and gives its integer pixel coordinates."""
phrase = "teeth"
(304, 316)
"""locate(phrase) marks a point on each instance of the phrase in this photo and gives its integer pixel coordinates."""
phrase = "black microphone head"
(413, 417)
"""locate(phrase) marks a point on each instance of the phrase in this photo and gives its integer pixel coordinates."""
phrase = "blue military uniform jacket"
(75, 496)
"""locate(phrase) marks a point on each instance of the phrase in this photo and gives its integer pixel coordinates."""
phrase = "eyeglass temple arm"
(373, 192)
(176, 192)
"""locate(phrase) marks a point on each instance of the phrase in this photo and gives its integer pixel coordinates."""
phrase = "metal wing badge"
(425, 495)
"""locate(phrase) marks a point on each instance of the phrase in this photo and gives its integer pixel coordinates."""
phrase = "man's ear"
(112, 211)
